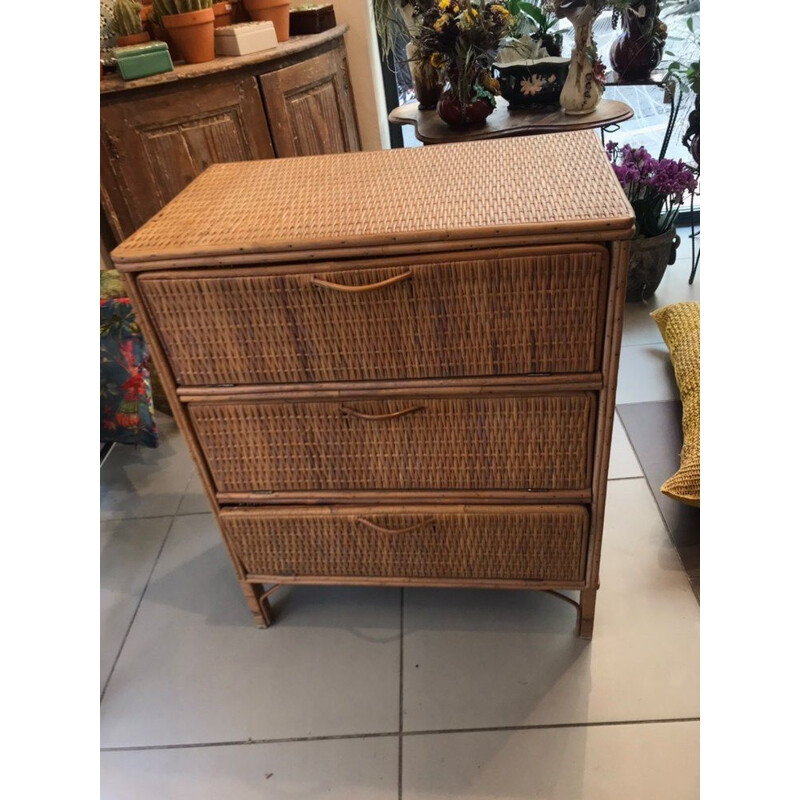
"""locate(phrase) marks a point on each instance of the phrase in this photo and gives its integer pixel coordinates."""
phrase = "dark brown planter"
(648, 262)
(303, 22)
(161, 34)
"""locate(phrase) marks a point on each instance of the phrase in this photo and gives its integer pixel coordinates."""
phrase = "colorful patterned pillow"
(126, 400)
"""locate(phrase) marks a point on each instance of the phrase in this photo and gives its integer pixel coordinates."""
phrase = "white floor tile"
(146, 481)
(638, 326)
(645, 375)
(195, 669)
(485, 658)
(619, 762)
(349, 769)
(194, 500)
(622, 462)
(128, 551)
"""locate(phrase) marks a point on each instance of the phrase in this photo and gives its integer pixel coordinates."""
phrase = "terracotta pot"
(222, 14)
(274, 11)
(161, 34)
(134, 38)
(648, 262)
(193, 32)
(463, 115)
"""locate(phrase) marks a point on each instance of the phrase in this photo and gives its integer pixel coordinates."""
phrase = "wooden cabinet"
(158, 134)
(378, 390)
(154, 146)
(310, 106)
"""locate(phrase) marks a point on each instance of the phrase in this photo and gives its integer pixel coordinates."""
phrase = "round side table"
(431, 129)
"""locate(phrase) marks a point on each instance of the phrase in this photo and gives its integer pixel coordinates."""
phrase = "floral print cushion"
(126, 399)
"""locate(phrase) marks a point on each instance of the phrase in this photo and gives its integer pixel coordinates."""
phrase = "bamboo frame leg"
(257, 602)
(586, 618)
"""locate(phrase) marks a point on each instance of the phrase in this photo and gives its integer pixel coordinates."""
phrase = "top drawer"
(540, 310)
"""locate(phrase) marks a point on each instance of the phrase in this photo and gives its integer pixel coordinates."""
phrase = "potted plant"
(656, 188)
(529, 66)
(222, 14)
(638, 50)
(190, 23)
(462, 38)
(127, 23)
(537, 20)
(686, 73)
(529, 77)
(274, 11)
(691, 138)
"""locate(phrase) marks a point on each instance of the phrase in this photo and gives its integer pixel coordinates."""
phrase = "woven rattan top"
(559, 183)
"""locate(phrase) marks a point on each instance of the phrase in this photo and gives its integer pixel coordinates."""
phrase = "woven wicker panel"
(449, 443)
(544, 543)
(502, 316)
(388, 196)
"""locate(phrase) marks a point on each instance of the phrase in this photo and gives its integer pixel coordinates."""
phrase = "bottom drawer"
(532, 543)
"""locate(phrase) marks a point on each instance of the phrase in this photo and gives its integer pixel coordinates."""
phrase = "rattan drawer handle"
(409, 529)
(351, 412)
(369, 287)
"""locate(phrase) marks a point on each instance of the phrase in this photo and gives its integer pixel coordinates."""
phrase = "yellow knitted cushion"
(679, 324)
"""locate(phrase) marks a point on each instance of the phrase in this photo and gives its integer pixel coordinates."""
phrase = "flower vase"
(459, 114)
(638, 50)
(427, 80)
(583, 88)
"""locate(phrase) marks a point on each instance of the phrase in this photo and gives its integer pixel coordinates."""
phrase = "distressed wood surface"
(154, 146)
(272, 59)
(157, 134)
(311, 110)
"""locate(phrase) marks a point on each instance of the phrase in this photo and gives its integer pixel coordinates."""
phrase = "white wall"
(365, 71)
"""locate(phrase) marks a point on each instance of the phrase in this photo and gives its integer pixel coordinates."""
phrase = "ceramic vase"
(582, 91)
(428, 83)
(459, 114)
(638, 50)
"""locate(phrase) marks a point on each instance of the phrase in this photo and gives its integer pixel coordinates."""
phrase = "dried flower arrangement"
(461, 37)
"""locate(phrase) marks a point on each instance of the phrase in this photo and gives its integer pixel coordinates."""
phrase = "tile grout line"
(156, 516)
(136, 610)
(655, 499)
(388, 734)
(400, 714)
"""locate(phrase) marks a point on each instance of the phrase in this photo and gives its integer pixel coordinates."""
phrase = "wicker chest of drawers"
(396, 367)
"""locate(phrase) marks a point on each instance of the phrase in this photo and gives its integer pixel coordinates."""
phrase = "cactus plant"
(127, 18)
(165, 8)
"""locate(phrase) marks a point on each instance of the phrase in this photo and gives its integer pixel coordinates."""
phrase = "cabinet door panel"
(310, 107)
(155, 145)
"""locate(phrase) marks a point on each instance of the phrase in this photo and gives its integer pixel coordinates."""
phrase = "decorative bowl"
(526, 84)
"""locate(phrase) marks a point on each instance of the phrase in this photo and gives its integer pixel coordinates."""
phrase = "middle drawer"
(473, 443)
